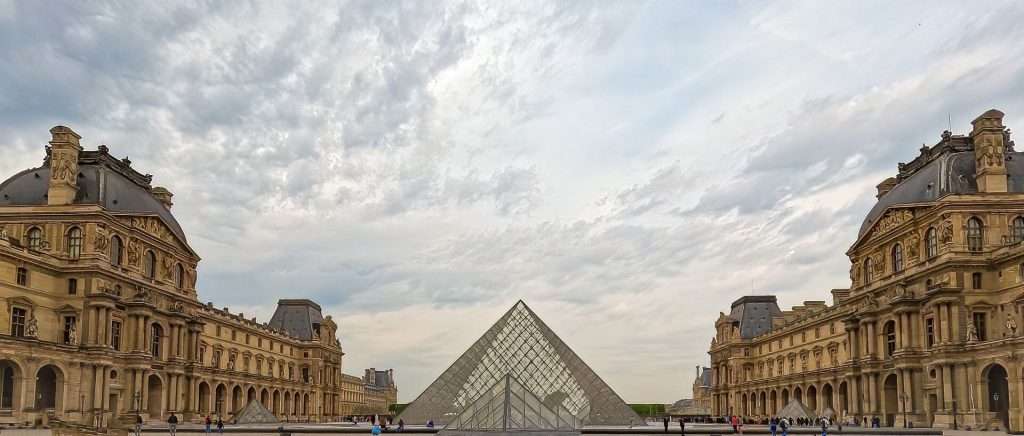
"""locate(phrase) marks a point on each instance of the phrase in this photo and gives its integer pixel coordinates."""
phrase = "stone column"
(99, 374)
(872, 393)
(871, 339)
(1013, 382)
(93, 322)
(954, 312)
(853, 390)
(144, 401)
(947, 387)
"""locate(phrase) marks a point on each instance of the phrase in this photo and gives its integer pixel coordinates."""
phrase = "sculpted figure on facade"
(72, 335)
(972, 332)
(3, 234)
(63, 169)
(1011, 325)
(32, 327)
(946, 230)
(913, 245)
(100, 240)
(168, 266)
(133, 251)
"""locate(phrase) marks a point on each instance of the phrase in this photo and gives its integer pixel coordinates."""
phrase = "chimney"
(885, 186)
(989, 151)
(64, 149)
(164, 196)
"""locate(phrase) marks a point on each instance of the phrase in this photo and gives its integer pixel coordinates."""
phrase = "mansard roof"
(102, 180)
(943, 169)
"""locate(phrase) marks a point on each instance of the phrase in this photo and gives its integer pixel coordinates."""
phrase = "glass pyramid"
(509, 407)
(520, 345)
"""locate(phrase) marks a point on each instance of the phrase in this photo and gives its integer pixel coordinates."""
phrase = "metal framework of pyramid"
(508, 407)
(255, 413)
(522, 347)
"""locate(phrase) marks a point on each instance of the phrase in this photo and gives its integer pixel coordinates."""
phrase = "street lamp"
(954, 415)
(904, 397)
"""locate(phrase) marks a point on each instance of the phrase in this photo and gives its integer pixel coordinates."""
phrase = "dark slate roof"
(101, 180)
(754, 313)
(950, 173)
(705, 376)
(382, 379)
(296, 317)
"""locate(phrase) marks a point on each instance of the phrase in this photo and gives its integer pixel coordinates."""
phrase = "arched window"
(116, 250)
(35, 238)
(897, 258)
(931, 243)
(974, 234)
(890, 337)
(868, 271)
(179, 276)
(149, 266)
(154, 344)
(1018, 229)
(74, 243)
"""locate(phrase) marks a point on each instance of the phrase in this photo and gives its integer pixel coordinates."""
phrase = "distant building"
(699, 405)
(928, 332)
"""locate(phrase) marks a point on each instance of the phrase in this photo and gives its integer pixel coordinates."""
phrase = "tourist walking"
(138, 425)
(772, 425)
(220, 425)
(375, 429)
(824, 426)
(682, 427)
(172, 424)
(735, 424)
(665, 420)
(401, 424)
(207, 421)
(784, 423)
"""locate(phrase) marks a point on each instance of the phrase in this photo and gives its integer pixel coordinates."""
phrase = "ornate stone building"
(100, 318)
(928, 330)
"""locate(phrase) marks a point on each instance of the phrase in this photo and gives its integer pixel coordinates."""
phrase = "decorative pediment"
(154, 226)
(67, 309)
(21, 301)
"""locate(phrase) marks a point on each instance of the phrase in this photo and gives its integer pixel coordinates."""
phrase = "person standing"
(772, 425)
(784, 423)
(824, 426)
(682, 427)
(207, 421)
(735, 424)
(138, 425)
(172, 424)
(401, 424)
(375, 429)
(220, 425)
(665, 420)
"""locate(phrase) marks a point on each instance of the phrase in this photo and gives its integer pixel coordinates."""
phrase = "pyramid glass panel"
(521, 346)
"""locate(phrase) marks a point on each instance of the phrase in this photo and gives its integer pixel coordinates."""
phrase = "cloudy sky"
(627, 168)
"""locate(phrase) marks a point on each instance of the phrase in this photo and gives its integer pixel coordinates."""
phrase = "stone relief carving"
(913, 245)
(72, 335)
(990, 155)
(893, 219)
(877, 263)
(854, 273)
(133, 251)
(167, 265)
(3, 234)
(100, 240)
(153, 226)
(62, 168)
(946, 230)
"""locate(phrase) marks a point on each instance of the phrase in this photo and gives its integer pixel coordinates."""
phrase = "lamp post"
(904, 397)
(954, 415)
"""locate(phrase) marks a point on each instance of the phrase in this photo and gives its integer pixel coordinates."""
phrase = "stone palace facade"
(927, 334)
(100, 318)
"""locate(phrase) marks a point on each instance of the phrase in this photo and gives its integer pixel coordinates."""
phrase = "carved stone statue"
(1011, 325)
(133, 252)
(946, 231)
(3, 234)
(141, 294)
(72, 335)
(901, 290)
(913, 246)
(231, 362)
(32, 327)
(972, 332)
(100, 240)
(168, 266)
(854, 274)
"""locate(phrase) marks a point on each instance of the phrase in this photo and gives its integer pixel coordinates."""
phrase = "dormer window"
(897, 258)
(1017, 230)
(931, 247)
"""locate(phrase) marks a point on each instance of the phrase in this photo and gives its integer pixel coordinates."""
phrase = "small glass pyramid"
(520, 345)
(509, 407)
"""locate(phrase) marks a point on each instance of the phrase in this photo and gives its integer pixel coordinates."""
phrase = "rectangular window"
(202, 355)
(247, 339)
(18, 316)
(976, 280)
(979, 324)
(929, 326)
(259, 342)
(69, 325)
(22, 276)
(234, 335)
(72, 286)
(115, 335)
